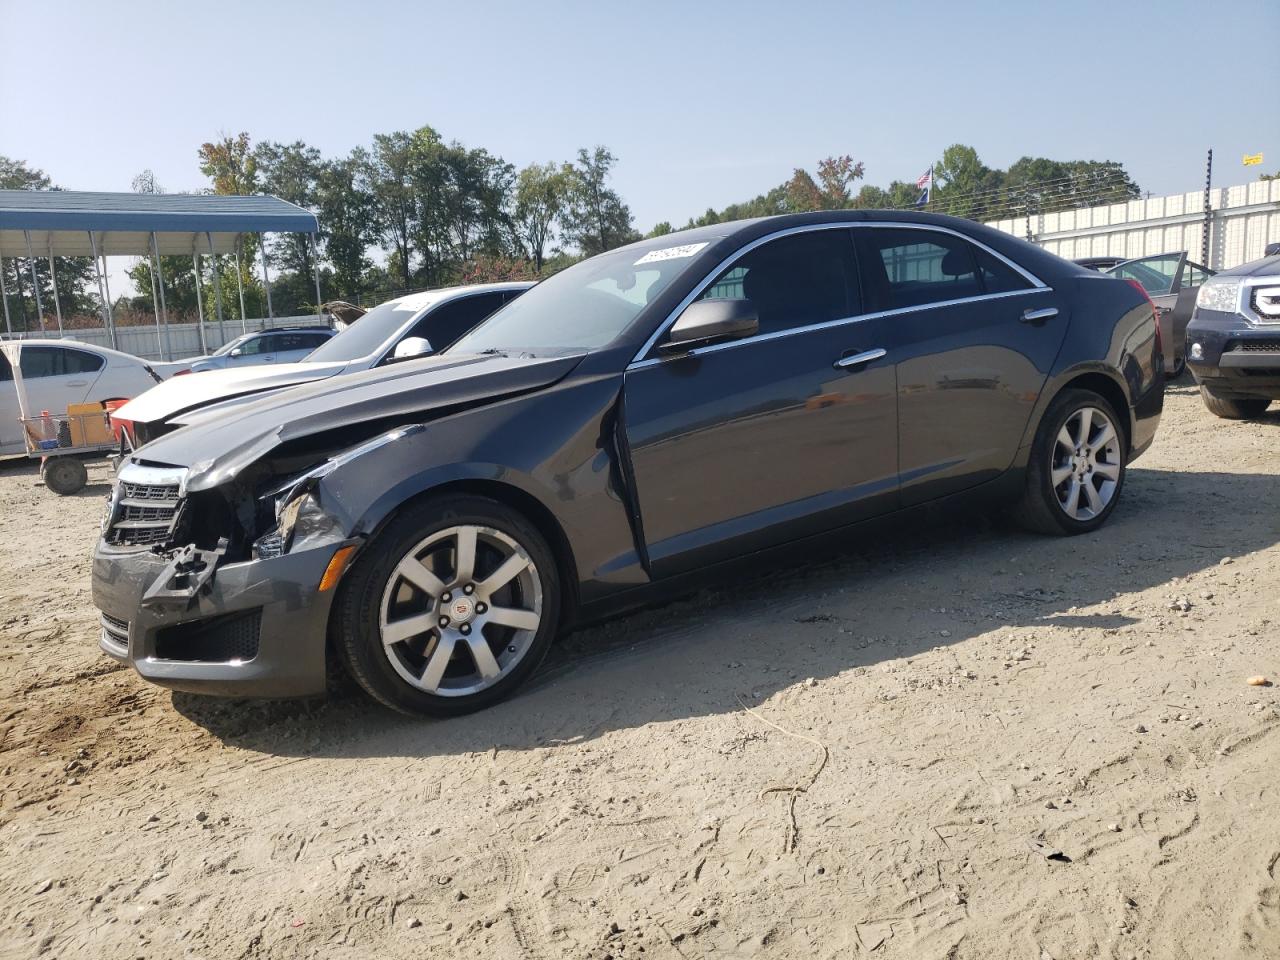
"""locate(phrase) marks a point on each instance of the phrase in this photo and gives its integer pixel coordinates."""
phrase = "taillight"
(1155, 311)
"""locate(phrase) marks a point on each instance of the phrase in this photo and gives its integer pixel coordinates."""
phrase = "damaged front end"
(226, 588)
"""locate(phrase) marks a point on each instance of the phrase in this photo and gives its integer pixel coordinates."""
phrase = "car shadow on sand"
(894, 591)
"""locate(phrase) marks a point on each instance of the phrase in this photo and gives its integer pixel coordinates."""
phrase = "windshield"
(366, 335)
(228, 347)
(584, 307)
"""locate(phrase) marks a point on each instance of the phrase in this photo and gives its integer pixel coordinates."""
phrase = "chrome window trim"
(809, 328)
(1037, 285)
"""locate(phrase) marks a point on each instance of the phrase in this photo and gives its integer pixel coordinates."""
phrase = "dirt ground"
(850, 759)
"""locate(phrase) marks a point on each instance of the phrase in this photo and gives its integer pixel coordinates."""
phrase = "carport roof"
(59, 221)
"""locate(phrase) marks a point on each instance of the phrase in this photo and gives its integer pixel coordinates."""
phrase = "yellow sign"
(1252, 159)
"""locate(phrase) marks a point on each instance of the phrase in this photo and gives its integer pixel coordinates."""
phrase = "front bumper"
(255, 629)
(1238, 359)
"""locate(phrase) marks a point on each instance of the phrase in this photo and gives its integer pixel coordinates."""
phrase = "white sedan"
(56, 373)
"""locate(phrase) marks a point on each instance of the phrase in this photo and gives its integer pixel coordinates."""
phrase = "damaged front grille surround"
(145, 506)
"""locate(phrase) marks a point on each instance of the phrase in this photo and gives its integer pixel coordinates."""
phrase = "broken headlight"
(301, 519)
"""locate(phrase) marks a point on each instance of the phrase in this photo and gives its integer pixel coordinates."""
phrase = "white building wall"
(1243, 220)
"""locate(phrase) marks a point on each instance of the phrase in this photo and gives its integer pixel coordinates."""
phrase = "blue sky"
(703, 103)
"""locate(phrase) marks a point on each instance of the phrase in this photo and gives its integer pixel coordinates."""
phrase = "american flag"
(925, 183)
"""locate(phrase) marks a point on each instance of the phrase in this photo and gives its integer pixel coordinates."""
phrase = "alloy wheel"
(460, 610)
(1085, 463)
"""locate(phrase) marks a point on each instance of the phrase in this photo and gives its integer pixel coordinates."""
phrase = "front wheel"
(450, 607)
(1077, 466)
(1243, 409)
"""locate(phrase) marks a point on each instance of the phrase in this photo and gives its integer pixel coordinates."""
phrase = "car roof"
(72, 344)
(427, 298)
(737, 232)
(315, 328)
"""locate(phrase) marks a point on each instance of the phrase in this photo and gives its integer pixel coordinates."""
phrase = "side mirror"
(411, 347)
(236, 352)
(1272, 250)
(711, 321)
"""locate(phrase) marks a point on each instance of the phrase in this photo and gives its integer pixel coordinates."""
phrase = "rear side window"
(6, 371)
(57, 362)
(297, 341)
(913, 268)
(794, 281)
(447, 322)
(997, 276)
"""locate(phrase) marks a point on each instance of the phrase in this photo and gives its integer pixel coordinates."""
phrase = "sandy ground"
(849, 759)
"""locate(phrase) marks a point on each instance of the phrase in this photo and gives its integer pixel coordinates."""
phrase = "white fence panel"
(1243, 220)
(184, 337)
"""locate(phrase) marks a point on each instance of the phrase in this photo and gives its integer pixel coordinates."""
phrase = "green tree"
(541, 194)
(290, 172)
(401, 172)
(836, 176)
(595, 218)
(346, 213)
(77, 287)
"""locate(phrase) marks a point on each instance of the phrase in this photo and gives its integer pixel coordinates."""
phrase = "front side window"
(57, 362)
(235, 344)
(918, 267)
(794, 281)
(254, 346)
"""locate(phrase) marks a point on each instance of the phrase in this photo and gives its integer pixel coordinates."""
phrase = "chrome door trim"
(866, 356)
(777, 334)
(1038, 285)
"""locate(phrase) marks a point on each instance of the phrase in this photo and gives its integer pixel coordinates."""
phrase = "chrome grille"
(144, 506)
(1256, 346)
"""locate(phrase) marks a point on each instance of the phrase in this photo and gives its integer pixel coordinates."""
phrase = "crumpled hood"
(216, 444)
(176, 394)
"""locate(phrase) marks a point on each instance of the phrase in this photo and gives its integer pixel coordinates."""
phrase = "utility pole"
(1208, 213)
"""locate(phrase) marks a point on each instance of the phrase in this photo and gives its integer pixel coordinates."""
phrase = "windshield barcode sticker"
(670, 253)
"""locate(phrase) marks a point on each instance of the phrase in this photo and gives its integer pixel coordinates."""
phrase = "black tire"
(1179, 368)
(1039, 509)
(64, 475)
(1227, 409)
(354, 624)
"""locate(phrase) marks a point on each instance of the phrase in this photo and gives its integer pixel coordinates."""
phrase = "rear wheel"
(450, 608)
(1077, 466)
(1228, 409)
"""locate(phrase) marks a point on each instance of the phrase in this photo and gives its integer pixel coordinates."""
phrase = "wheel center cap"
(462, 609)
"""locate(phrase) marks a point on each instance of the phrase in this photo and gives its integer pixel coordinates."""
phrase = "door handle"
(858, 359)
(77, 383)
(1039, 317)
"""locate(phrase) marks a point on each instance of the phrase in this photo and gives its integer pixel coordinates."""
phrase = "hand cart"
(62, 440)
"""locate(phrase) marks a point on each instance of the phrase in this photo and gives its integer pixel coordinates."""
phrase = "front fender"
(555, 447)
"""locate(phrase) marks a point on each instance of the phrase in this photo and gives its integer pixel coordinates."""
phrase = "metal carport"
(71, 223)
